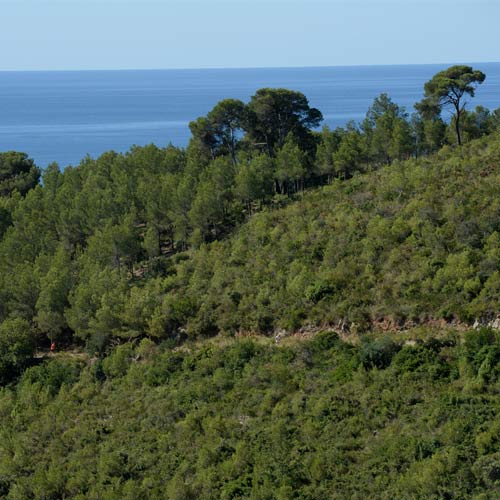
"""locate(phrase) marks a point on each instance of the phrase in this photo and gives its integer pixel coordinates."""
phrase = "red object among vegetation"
(52, 347)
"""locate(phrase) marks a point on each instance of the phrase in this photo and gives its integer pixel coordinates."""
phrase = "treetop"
(458, 80)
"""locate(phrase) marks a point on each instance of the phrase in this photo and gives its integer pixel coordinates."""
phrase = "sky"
(150, 34)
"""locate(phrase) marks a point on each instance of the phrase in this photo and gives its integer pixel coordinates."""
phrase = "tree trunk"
(457, 125)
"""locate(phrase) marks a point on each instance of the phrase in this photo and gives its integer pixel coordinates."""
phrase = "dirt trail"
(70, 353)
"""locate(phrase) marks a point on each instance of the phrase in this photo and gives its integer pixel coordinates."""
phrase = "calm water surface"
(62, 116)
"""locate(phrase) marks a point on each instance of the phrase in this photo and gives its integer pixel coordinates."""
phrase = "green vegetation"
(316, 419)
(414, 241)
(131, 263)
(107, 252)
(448, 88)
(17, 173)
(235, 233)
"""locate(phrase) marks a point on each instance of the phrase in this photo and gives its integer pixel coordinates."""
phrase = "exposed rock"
(491, 322)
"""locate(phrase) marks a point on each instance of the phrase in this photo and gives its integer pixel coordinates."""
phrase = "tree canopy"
(17, 173)
(313, 419)
(219, 131)
(148, 268)
(275, 113)
(167, 242)
(449, 88)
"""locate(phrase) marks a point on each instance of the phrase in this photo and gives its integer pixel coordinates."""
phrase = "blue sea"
(63, 116)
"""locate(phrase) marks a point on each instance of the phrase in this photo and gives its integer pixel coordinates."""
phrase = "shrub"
(378, 353)
(16, 347)
(53, 374)
(118, 362)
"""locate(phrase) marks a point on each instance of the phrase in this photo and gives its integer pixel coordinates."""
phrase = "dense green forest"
(146, 269)
(236, 233)
(317, 420)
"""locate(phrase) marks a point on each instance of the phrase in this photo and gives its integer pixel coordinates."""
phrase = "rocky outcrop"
(493, 323)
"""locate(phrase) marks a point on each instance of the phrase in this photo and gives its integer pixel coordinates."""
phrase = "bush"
(324, 341)
(487, 470)
(53, 374)
(423, 359)
(236, 357)
(482, 352)
(118, 362)
(378, 353)
(16, 347)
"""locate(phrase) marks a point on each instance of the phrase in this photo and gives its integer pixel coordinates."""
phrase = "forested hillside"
(235, 233)
(311, 420)
(414, 241)
(145, 269)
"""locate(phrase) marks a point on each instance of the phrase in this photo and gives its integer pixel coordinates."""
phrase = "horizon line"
(226, 68)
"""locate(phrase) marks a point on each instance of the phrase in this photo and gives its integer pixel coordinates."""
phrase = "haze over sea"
(63, 115)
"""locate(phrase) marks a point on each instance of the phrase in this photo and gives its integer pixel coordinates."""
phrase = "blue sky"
(118, 34)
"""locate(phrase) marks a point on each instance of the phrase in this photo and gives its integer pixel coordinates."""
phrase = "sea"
(62, 116)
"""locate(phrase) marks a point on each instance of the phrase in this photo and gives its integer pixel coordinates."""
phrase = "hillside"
(415, 241)
(273, 314)
(260, 224)
(411, 243)
(410, 415)
(317, 419)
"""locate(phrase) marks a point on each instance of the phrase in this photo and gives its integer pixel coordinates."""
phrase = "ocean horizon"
(63, 116)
